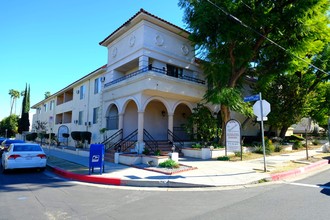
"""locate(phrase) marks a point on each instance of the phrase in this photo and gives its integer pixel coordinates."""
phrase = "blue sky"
(51, 43)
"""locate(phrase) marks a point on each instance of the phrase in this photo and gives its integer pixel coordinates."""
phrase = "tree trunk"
(225, 115)
(283, 131)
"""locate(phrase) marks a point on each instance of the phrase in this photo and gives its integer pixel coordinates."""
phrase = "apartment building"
(148, 87)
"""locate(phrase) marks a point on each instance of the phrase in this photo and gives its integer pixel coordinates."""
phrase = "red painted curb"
(86, 178)
(283, 175)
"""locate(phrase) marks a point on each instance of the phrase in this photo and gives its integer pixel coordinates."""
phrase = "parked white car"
(23, 155)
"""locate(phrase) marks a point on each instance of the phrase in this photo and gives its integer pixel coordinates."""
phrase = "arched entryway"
(156, 120)
(112, 117)
(63, 129)
(130, 122)
(180, 119)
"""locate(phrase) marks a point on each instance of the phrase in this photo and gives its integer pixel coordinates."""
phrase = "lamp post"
(6, 133)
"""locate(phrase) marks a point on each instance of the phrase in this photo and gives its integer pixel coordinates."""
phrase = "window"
(38, 111)
(113, 118)
(82, 92)
(51, 105)
(80, 117)
(45, 107)
(97, 86)
(96, 115)
(174, 71)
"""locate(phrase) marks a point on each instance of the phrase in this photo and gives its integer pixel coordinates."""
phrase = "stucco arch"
(110, 106)
(157, 98)
(126, 101)
(190, 105)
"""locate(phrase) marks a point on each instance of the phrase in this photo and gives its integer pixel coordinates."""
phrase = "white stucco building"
(148, 87)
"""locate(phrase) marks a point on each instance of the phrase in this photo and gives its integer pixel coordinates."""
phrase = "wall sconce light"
(75, 121)
(184, 115)
(163, 113)
(89, 124)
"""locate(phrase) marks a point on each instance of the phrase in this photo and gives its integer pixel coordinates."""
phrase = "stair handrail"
(175, 139)
(150, 142)
(111, 138)
(126, 142)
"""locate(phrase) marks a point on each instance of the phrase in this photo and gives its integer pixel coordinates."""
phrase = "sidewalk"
(208, 173)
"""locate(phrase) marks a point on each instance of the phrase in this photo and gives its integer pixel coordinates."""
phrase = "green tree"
(202, 125)
(320, 104)
(233, 39)
(24, 122)
(298, 93)
(14, 95)
(10, 124)
(47, 94)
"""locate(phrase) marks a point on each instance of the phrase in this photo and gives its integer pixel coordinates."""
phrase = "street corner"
(85, 178)
(298, 171)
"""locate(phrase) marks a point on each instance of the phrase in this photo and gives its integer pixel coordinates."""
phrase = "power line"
(267, 38)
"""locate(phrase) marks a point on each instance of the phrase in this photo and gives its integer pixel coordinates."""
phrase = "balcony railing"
(158, 70)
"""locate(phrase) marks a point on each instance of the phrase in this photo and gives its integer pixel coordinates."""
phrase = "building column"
(170, 124)
(120, 121)
(140, 126)
(143, 61)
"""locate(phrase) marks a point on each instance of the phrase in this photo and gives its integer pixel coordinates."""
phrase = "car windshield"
(27, 148)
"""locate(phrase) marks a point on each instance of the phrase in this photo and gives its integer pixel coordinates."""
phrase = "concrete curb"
(167, 183)
(86, 178)
(118, 181)
(301, 170)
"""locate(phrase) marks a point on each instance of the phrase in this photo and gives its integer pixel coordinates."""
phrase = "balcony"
(157, 70)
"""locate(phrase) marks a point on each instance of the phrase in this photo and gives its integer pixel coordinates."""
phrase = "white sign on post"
(233, 136)
(265, 109)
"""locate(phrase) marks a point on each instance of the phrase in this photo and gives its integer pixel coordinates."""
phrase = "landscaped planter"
(130, 159)
(134, 159)
(215, 153)
(202, 153)
(153, 160)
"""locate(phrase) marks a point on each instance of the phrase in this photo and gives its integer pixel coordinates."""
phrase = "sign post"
(262, 133)
(261, 109)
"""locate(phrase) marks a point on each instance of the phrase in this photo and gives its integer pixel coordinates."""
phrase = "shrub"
(238, 154)
(157, 152)
(31, 136)
(278, 148)
(259, 150)
(269, 145)
(169, 164)
(223, 158)
(217, 146)
(146, 151)
(315, 142)
(297, 145)
(197, 145)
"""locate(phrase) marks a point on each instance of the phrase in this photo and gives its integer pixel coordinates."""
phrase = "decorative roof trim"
(142, 11)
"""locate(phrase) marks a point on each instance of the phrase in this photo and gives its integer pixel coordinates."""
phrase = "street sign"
(265, 108)
(252, 98)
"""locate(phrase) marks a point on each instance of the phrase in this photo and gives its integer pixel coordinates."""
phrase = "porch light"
(163, 113)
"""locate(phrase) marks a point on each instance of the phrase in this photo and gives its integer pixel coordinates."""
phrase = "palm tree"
(47, 94)
(14, 95)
